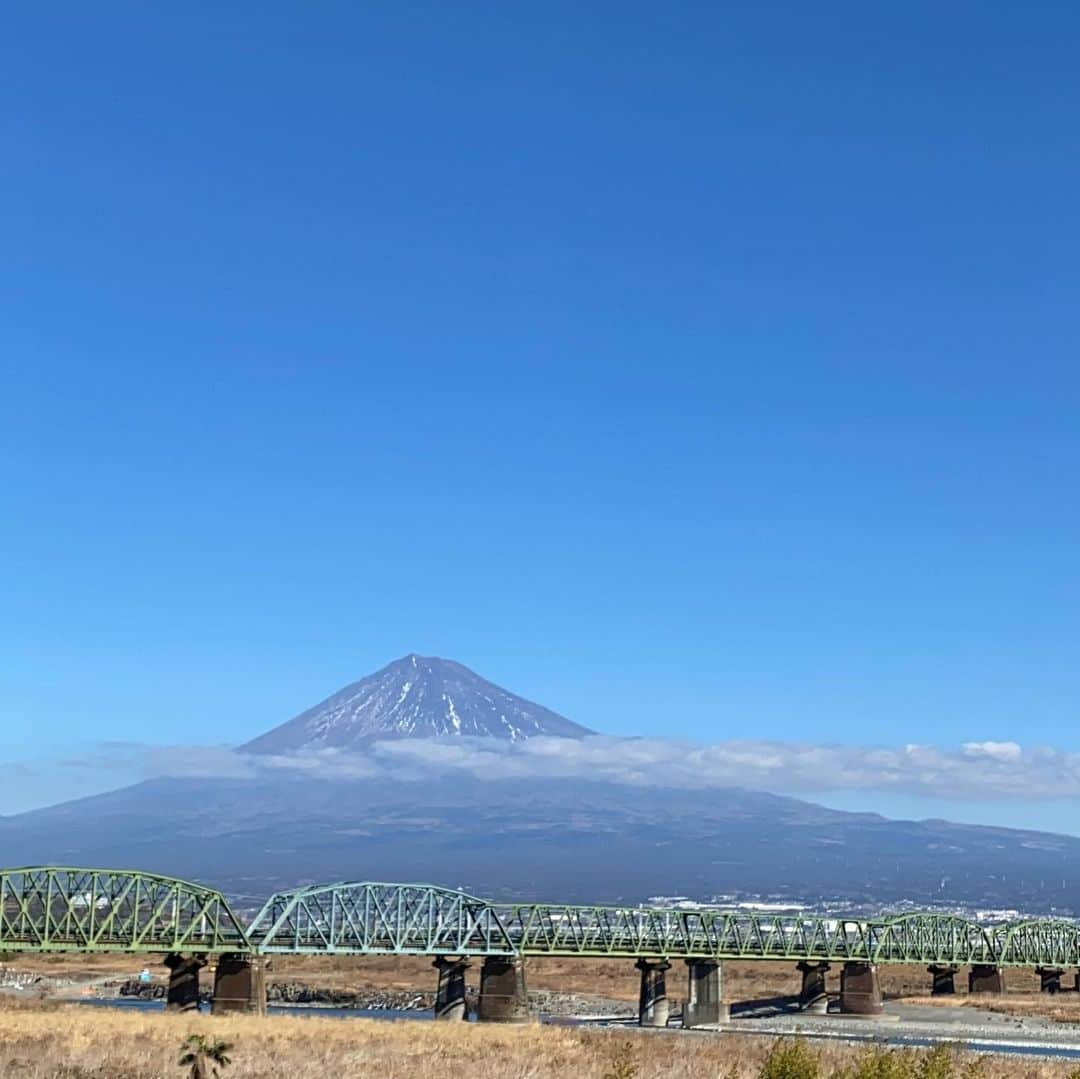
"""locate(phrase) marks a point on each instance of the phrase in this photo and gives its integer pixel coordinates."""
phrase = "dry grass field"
(72, 1042)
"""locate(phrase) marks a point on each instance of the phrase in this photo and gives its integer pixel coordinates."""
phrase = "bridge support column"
(503, 996)
(450, 1003)
(814, 996)
(986, 978)
(182, 994)
(239, 985)
(944, 984)
(703, 999)
(653, 1006)
(1050, 979)
(860, 989)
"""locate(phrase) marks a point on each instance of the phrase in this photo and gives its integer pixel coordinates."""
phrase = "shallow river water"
(1027, 1044)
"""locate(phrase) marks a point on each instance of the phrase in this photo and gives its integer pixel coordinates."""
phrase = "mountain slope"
(415, 697)
(545, 839)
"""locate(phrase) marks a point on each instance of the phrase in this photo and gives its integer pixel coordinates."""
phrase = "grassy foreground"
(71, 1042)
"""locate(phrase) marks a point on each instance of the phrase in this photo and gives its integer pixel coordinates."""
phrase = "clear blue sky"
(704, 371)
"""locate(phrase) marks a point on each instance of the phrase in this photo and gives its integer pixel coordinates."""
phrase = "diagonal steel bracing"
(393, 919)
(66, 909)
(57, 909)
(375, 918)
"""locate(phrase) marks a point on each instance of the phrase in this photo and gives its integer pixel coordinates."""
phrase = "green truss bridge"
(66, 909)
(400, 919)
(60, 909)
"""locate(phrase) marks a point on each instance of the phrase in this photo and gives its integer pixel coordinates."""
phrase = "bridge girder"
(393, 919)
(58, 908)
(69, 909)
(1054, 941)
(373, 918)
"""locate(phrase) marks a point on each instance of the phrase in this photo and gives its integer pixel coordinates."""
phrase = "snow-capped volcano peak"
(416, 697)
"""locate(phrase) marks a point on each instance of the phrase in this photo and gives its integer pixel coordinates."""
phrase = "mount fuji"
(516, 833)
(415, 697)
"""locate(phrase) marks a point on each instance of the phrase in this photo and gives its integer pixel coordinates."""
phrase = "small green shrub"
(942, 1062)
(938, 1063)
(790, 1060)
(622, 1064)
(881, 1063)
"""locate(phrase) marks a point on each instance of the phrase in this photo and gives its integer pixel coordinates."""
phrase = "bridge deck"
(52, 908)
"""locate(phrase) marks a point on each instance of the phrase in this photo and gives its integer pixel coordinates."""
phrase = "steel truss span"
(101, 910)
(380, 919)
(401, 919)
(61, 909)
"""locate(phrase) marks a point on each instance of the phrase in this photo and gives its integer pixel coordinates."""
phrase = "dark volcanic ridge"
(415, 697)
(558, 840)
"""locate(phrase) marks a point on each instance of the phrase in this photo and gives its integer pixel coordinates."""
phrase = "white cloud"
(154, 760)
(1000, 751)
(974, 771)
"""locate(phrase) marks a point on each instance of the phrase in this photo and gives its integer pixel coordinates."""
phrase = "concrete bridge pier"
(654, 1008)
(450, 1003)
(814, 996)
(986, 978)
(239, 985)
(944, 984)
(182, 994)
(503, 996)
(860, 989)
(703, 999)
(1050, 979)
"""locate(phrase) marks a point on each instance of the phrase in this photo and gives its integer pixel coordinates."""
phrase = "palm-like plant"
(204, 1057)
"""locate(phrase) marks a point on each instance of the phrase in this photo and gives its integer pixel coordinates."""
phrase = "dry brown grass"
(72, 1042)
(1062, 1009)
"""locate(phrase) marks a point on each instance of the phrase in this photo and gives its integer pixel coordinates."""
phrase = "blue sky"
(706, 372)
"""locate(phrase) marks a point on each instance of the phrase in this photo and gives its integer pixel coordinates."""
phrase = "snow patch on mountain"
(416, 697)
